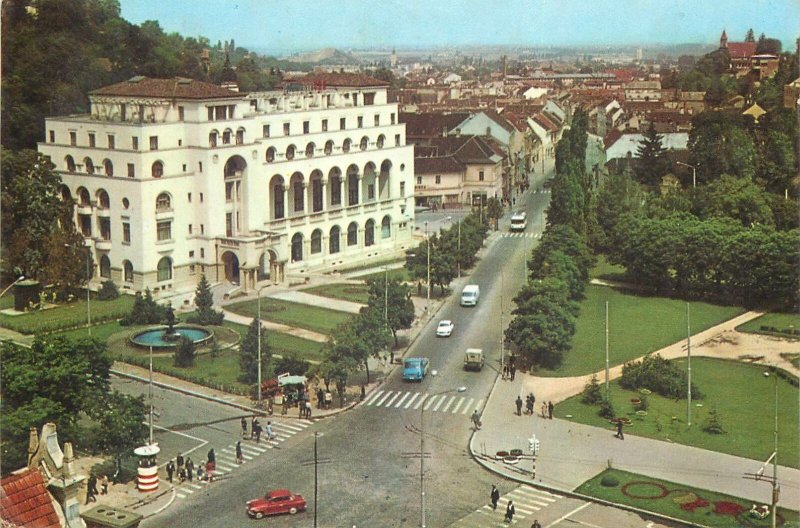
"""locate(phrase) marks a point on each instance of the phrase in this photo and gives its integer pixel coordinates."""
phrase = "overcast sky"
(282, 25)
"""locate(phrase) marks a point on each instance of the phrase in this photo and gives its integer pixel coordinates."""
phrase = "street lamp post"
(88, 290)
(694, 172)
(458, 254)
(258, 388)
(422, 448)
(428, 296)
(20, 278)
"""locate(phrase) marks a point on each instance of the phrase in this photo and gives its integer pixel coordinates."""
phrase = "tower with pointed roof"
(723, 40)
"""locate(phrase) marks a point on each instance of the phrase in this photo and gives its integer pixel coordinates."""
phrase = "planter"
(501, 455)
(636, 401)
(511, 460)
(516, 452)
(624, 420)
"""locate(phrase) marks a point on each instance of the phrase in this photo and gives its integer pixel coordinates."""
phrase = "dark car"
(275, 502)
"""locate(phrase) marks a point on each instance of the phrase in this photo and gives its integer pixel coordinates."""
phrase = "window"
(324, 125)
(377, 120)
(164, 269)
(316, 195)
(86, 225)
(131, 170)
(270, 154)
(52, 134)
(369, 99)
(369, 233)
(363, 143)
(202, 232)
(316, 241)
(310, 148)
(386, 227)
(480, 176)
(126, 203)
(202, 252)
(212, 139)
(352, 234)
(228, 191)
(342, 123)
(163, 202)
(265, 131)
(183, 167)
(153, 142)
(127, 271)
(402, 189)
(360, 121)
(126, 232)
(352, 190)
(134, 143)
(328, 147)
(381, 141)
(111, 142)
(306, 127)
(89, 165)
(346, 145)
(240, 137)
(164, 231)
(92, 140)
(290, 150)
(201, 197)
(229, 224)
(181, 113)
(438, 179)
(73, 138)
(333, 243)
(157, 169)
(200, 166)
(297, 189)
(336, 191)
(191, 254)
(189, 197)
(286, 129)
(391, 118)
(105, 228)
(108, 167)
(190, 229)
(371, 191)
(277, 201)
(226, 137)
(397, 140)
(297, 247)
(105, 267)
(419, 180)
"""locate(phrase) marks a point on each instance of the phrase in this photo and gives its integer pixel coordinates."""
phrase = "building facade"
(175, 178)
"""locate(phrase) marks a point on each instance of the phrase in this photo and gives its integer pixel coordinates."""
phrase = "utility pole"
(607, 396)
(502, 341)
(150, 395)
(689, 368)
(316, 464)
(428, 297)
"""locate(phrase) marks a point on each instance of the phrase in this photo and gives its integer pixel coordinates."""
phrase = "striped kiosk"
(147, 473)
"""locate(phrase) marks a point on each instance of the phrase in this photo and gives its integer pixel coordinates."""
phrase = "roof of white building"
(630, 143)
(175, 88)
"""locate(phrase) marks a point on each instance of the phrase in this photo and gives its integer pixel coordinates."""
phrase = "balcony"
(84, 209)
(102, 244)
(104, 213)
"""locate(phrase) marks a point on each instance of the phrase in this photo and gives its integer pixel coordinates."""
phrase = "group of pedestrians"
(509, 369)
(91, 487)
(510, 509)
(185, 469)
(530, 401)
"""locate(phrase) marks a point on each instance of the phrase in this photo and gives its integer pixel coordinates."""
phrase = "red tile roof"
(175, 88)
(742, 50)
(342, 80)
(432, 124)
(24, 501)
(437, 165)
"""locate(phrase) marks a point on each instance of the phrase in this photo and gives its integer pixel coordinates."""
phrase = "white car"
(444, 329)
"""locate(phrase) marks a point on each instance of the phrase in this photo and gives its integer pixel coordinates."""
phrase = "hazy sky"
(282, 25)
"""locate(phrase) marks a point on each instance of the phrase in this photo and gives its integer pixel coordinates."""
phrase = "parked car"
(445, 328)
(415, 369)
(275, 502)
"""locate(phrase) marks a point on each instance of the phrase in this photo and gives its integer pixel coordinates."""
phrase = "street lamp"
(88, 291)
(21, 278)
(458, 254)
(428, 297)
(694, 172)
(422, 448)
(258, 389)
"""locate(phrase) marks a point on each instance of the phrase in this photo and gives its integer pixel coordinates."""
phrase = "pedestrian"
(244, 427)
(512, 369)
(170, 470)
(308, 410)
(519, 406)
(544, 409)
(328, 400)
(91, 489)
(510, 511)
(495, 497)
(212, 457)
(270, 434)
(619, 430)
(285, 406)
(320, 397)
(182, 473)
(257, 432)
(529, 404)
(536, 524)
(179, 462)
(253, 422)
(189, 469)
(200, 472)
(104, 485)
(239, 456)
(210, 468)
(476, 419)
(550, 410)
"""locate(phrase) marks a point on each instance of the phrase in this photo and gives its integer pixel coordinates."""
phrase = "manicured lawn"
(285, 344)
(783, 322)
(293, 314)
(679, 501)
(637, 325)
(604, 270)
(102, 331)
(220, 372)
(67, 315)
(358, 293)
(400, 274)
(743, 397)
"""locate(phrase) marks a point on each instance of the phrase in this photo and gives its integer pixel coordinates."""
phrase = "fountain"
(166, 338)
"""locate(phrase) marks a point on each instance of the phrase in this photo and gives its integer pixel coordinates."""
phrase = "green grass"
(784, 322)
(400, 274)
(604, 270)
(637, 325)
(285, 344)
(669, 505)
(67, 316)
(743, 397)
(293, 314)
(358, 293)
(101, 332)
(219, 372)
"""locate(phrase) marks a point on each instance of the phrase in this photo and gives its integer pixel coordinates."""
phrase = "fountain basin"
(158, 339)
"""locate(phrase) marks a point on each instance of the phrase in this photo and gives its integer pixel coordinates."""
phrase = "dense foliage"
(204, 301)
(145, 311)
(248, 354)
(184, 353)
(394, 298)
(657, 374)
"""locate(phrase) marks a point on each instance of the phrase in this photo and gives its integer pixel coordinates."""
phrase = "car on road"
(414, 369)
(275, 502)
(473, 359)
(519, 221)
(445, 328)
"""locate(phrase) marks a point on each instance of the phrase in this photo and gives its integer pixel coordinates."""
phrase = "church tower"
(723, 40)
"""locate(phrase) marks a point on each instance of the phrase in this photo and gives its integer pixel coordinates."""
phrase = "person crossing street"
(495, 496)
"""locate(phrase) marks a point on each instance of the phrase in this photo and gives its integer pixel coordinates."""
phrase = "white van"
(519, 222)
(470, 295)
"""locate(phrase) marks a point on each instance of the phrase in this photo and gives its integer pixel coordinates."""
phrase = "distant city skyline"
(285, 26)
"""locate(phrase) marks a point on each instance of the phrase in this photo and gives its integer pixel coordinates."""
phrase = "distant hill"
(324, 56)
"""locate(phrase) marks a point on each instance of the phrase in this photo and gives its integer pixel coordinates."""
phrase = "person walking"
(170, 470)
(179, 463)
(270, 434)
(244, 427)
(619, 430)
(308, 410)
(530, 400)
(253, 423)
(239, 456)
(519, 406)
(189, 469)
(91, 489)
(257, 432)
(212, 457)
(550, 410)
(320, 397)
(544, 409)
(476, 419)
(512, 369)
(200, 472)
(104, 485)
(510, 511)
(536, 524)
(495, 496)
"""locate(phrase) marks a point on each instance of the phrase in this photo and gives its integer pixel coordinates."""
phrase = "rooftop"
(175, 88)
(25, 501)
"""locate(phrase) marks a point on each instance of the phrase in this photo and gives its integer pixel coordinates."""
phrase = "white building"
(173, 178)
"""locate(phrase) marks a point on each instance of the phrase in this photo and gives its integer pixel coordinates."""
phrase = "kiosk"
(147, 472)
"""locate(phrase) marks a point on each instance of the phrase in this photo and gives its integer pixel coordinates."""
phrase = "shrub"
(643, 404)
(591, 392)
(713, 424)
(204, 301)
(108, 291)
(657, 374)
(609, 481)
(145, 311)
(606, 409)
(184, 353)
(291, 364)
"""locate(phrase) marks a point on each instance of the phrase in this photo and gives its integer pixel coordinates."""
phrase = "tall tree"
(394, 297)
(651, 163)
(750, 36)
(118, 425)
(248, 354)
(204, 301)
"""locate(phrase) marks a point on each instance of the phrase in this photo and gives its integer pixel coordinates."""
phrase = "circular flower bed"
(501, 454)
(516, 452)
(645, 391)
(511, 460)
(641, 489)
(624, 419)
(636, 401)
(641, 413)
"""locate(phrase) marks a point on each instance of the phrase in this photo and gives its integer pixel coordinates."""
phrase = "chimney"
(33, 444)
(67, 470)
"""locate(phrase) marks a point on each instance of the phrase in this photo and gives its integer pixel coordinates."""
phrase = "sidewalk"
(571, 453)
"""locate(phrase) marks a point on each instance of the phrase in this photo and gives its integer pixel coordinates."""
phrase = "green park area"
(358, 293)
(289, 313)
(638, 324)
(702, 507)
(740, 394)
(774, 323)
(64, 316)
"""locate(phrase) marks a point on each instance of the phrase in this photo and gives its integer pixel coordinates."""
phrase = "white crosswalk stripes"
(226, 456)
(521, 235)
(414, 401)
(528, 501)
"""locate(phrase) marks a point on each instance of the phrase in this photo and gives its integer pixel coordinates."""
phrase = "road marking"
(294, 428)
(452, 399)
(429, 403)
(460, 401)
(179, 433)
(573, 512)
(439, 403)
(400, 402)
(384, 397)
(468, 406)
(391, 401)
(416, 394)
(420, 402)
(373, 397)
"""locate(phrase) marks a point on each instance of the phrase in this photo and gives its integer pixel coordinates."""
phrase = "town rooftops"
(432, 124)
(742, 50)
(437, 165)
(25, 501)
(175, 88)
(338, 80)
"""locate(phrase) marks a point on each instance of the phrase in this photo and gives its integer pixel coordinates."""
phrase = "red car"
(276, 501)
